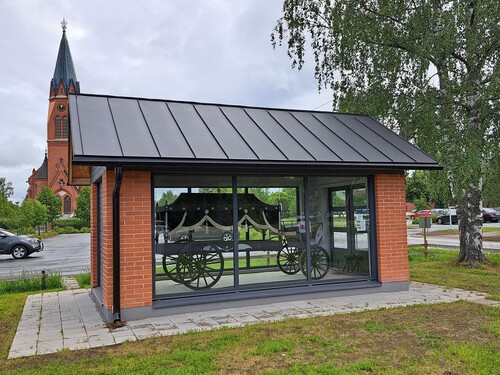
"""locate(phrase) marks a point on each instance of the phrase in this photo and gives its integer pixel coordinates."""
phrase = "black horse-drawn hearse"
(195, 232)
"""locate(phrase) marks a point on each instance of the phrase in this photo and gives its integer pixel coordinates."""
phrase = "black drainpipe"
(116, 244)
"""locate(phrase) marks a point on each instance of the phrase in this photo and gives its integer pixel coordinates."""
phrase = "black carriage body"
(191, 208)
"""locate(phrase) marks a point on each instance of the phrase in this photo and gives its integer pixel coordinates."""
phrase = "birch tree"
(427, 69)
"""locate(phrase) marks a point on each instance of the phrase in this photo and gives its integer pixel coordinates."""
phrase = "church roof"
(65, 70)
(108, 130)
(41, 173)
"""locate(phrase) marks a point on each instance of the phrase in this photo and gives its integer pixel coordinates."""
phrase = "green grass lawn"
(456, 338)
(440, 268)
(426, 339)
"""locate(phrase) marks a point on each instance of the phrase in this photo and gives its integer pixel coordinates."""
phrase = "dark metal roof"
(108, 130)
(41, 173)
(65, 70)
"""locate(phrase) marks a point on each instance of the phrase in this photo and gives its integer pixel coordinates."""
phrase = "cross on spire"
(64, 24)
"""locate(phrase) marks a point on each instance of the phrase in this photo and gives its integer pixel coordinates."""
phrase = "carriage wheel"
(170, 263)
(320, 263)
(200, 265)
(288, 259)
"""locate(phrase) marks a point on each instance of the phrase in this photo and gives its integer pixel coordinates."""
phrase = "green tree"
(6, 189)
(430, 187)
(167, 198)
(51, 201)
(429, 69)
(32, 213)
(82, 211)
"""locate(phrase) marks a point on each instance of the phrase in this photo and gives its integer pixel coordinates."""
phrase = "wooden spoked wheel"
(170, 263)
(320, 263)
(200, 265)
(288, 259)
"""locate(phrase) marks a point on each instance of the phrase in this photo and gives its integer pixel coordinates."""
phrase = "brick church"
(53, 172)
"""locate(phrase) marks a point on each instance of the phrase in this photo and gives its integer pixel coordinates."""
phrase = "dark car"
(18, 246)
(490, 215)
(203, 233)
(445, 219)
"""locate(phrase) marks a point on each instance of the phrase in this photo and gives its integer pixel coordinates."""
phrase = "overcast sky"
(205, 50)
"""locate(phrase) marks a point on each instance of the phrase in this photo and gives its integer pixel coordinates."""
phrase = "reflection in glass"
(193, 236)
(270, 243)
(197, 227)
(339, 205)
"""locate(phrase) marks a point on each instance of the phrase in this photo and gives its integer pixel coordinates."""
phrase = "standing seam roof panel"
(169, 139)
(118, 130)
(359, 144)
(229, 139)
(76, 138)
(373, 138)
(344, 151)
(133, 132)
(409, 149)
(307, 139)
(256, 139)
(197, 135)
(96, 127)
(284, 141)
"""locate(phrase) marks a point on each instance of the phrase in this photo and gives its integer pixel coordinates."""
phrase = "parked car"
(438, 211)
(18, 246)
(490, 215)
(420, 213)
(203, 233)
(445, 218)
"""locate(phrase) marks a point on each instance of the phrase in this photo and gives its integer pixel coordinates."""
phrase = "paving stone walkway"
(69, 319)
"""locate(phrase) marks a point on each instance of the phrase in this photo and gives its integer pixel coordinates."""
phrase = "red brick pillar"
(136, 255)
(93, 235)
(392, 246)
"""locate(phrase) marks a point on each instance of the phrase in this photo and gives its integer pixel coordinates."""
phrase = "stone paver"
(69, 319)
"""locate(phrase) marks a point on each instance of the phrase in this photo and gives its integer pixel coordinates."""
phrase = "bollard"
(43, 280)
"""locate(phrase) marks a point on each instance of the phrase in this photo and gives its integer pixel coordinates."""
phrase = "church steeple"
(64, 73)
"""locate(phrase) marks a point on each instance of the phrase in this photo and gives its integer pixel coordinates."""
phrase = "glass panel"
(193, 234)
(339, 206)
(65, 128)
(271, 230)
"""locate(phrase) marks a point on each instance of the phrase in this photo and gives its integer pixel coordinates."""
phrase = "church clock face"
(61, 107)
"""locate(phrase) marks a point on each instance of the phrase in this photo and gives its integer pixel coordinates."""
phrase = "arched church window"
(65, 127)
(67, 205)
(58, 127)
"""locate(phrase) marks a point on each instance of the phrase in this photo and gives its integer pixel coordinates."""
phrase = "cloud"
(209, 51)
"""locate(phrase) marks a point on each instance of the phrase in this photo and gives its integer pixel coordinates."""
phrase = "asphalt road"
(67, 254)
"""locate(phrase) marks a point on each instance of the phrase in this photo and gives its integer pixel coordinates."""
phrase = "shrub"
(85, 230)
(70, 230)
(70, 222)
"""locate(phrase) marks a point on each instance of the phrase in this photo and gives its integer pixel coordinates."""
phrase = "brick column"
(136, 278)
(136, 255)
(93, 235)
(390, 201)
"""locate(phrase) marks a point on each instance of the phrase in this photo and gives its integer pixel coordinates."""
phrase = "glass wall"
(220, 233)
(193, 234)
(270, 210)
(340, 224)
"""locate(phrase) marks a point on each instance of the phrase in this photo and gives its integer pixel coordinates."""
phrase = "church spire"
(65, 70)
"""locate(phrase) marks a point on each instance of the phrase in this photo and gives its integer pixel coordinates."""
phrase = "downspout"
(116, 244)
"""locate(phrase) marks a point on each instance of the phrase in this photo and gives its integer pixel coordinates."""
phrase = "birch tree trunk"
(471, 228)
